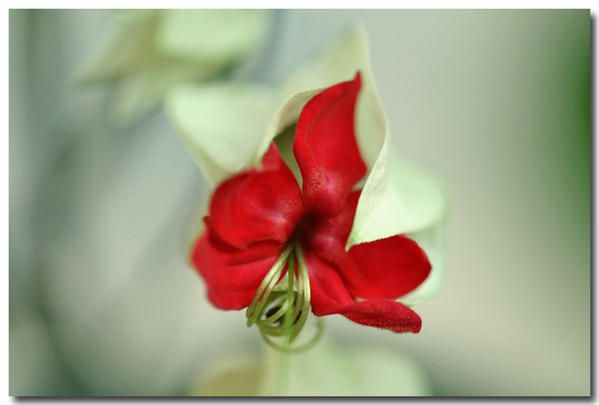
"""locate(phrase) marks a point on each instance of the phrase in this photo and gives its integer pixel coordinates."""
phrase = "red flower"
(257, 215)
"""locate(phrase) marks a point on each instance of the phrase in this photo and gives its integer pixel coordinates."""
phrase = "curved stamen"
(280, 307)
(268, 283)
(304, 281)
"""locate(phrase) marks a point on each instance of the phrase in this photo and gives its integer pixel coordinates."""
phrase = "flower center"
(282, 302)
(305, 230)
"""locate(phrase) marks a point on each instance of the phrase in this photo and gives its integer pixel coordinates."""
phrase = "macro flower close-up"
(311, 211)
(218, 202)
(261, 219)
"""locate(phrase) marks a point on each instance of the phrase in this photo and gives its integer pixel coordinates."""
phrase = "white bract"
(232, 131)
(150, 51)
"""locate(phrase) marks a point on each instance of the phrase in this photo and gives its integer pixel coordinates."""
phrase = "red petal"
(383, 314)
(326, 237)
(326, 149)
(327, 289)
(232, 275)
(330, 296)
(257, 205)
(386, 268)
(330, 234)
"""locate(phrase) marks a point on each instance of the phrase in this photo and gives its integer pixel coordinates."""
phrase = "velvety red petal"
(326, 149)
(383, 314)
(327, 289)
(257, 205)
(232, 275)
(331, 296)
(328, 235)
(387, 268)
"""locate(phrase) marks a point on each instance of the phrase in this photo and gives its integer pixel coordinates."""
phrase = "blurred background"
(497, 103)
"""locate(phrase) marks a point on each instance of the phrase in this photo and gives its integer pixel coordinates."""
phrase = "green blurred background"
(497, 103)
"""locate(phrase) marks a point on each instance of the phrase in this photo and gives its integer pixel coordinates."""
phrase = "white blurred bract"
(149, 51)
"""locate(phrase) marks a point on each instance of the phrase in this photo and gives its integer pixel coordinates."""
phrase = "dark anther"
(271, 311)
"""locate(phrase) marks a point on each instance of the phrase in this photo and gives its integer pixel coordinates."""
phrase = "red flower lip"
(257, 214)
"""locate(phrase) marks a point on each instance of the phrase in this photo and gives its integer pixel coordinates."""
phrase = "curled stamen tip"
(282, 304)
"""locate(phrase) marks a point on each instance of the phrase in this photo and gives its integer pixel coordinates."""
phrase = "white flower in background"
(149, 51)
